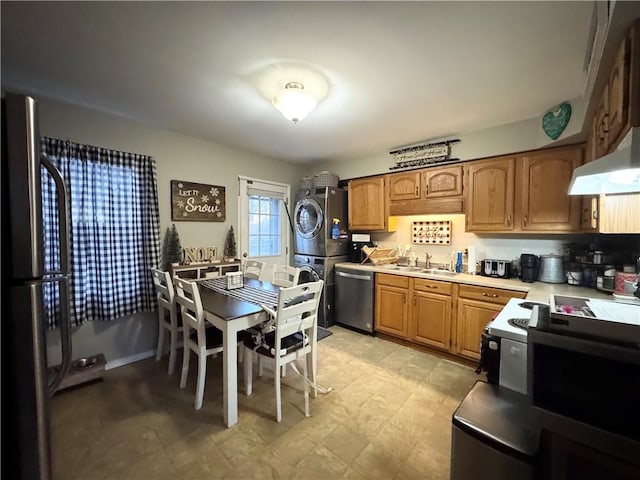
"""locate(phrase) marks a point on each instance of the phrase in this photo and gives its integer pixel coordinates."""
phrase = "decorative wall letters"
(197, 202)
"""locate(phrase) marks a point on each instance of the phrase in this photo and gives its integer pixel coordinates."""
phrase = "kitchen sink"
(403, 268)
(438, 271)
(406, 268)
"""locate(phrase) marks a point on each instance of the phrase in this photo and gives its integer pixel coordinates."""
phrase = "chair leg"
(308, 363)
(202, 373)
(276, 376)
(160, 339)
(284, 370)
(172, 352)
(306, 389)
(260, 372)
(248, 371)
(240, 352)
(186, 353)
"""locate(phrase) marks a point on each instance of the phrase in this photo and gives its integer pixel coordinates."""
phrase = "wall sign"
(423, 154)
(197, 202)
(200, 254)
(432, 232)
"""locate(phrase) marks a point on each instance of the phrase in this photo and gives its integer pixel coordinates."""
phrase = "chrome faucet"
(427, 260)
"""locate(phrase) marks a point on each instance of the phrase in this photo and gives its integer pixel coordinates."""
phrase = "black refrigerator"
(27, 380)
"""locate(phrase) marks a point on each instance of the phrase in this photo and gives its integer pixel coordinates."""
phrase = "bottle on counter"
(459, 262)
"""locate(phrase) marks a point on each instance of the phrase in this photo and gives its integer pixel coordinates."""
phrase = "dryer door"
(308, 218)
(308, 274)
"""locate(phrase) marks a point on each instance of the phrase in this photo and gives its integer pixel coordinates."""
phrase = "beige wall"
(504, 139)
(177, 157)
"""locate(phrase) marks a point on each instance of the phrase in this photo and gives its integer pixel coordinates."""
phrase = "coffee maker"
(359, 240)
(529, 267)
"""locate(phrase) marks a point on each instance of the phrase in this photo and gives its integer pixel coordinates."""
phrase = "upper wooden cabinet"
(442, 182)
(618, 110)
(525, 193)
(367, 204)
(601, 127)
(404, 186)
(612, 118)
(489, 191)
(544, 179)
(618, 95)
(428, 190)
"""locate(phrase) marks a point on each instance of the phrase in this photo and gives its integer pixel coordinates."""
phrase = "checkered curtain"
(114, 230)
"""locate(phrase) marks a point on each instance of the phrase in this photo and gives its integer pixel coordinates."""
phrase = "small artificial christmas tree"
(230, 250)
(171, 248)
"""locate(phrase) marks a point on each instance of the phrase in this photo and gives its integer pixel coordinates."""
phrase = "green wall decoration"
(555, 120)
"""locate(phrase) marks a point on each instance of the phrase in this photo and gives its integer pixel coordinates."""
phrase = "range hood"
(618, 172)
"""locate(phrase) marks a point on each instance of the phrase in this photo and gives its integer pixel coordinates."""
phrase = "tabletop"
(229, 308)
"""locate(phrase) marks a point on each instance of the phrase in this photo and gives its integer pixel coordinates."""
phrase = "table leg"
(230, 376)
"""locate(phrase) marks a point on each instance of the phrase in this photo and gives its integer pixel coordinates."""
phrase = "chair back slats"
(285, 275)
(188, 297)
(297, 309)
(164, 287)
(253, 268)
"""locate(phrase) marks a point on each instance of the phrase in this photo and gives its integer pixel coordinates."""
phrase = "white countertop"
(536, 291)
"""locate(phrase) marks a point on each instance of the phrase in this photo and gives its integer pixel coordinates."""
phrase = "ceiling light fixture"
(294, 103)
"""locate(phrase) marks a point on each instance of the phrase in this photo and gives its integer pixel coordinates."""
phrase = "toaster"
(496, 268)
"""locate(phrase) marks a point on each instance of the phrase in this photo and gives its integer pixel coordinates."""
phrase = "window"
(264, 226)
(114, 230)
(263, 220)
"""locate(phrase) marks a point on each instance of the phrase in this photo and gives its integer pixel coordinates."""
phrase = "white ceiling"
(393, 73)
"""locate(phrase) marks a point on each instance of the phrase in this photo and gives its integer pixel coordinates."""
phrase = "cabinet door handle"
(525, 220)
(431, 286)
(492, 295)
(426, 189)
(508, 219)
(417, 190)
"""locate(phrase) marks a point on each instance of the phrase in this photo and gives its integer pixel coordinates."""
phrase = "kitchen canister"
(574, 277)
(624, 283)
(551, 269)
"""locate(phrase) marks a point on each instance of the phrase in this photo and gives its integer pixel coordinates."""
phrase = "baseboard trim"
(120, 362)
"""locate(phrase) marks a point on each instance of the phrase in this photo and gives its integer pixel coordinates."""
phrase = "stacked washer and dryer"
(316, 252)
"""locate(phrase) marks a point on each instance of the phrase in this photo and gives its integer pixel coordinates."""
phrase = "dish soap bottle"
(459, 262)
(335, 231)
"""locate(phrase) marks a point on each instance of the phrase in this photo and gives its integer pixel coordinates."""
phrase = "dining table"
(232, 311)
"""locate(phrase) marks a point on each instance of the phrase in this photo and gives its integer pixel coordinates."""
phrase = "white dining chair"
(253, 268)
(294, 336)
(203, 341)
(167, 316)
(285, 276)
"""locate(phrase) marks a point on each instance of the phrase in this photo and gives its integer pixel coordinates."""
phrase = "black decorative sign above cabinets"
(197, 202)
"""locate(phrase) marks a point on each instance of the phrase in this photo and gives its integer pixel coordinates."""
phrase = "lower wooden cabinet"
(424, 312)
(477, 306)
(431, 320)
(392, 305)
(472, 317)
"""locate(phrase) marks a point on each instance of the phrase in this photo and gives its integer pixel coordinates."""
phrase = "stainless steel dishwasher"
(354, 298)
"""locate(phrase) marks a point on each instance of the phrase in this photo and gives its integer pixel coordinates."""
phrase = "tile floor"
(388, 416)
